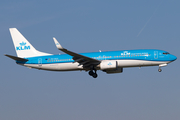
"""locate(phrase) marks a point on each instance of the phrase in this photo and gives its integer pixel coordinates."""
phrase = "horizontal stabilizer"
(16, 58)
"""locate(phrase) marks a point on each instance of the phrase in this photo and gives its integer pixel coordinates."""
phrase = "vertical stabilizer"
(23, 48)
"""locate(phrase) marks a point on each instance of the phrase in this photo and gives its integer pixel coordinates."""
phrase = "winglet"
(58, 45)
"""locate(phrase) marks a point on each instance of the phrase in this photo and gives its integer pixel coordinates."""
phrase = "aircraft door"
(155, 54)
(40, 61)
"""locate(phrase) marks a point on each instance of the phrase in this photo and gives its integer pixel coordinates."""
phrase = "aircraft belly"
(138, 63)
(128, 63)
(159, 62)
(56, 67)
(75, 66)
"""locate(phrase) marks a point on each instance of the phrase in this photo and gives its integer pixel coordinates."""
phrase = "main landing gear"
(93, 73)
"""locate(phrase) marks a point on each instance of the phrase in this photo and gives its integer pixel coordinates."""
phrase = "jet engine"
(104, 65)
(110, 67)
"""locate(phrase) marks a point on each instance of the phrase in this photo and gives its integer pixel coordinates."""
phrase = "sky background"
(90, 26)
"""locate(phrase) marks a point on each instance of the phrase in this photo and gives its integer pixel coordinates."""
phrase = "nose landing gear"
(161, 65)
(159, 69)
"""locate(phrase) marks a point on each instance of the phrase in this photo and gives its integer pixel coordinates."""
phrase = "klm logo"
(23, 46)
(125, 53)
(110, 63)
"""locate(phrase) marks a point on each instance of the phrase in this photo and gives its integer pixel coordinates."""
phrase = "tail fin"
(22, 46)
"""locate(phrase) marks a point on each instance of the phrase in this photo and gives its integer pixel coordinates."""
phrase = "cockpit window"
(165, 53)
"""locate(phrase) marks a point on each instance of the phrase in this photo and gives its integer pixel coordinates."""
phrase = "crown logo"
(109, 63)
(22, 44)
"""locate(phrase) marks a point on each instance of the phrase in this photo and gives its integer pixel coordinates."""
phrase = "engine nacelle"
(110, 67)
(104, 65)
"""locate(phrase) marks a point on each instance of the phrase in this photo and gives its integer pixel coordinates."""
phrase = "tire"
(159, 70)
(91, 73)
(94, 75)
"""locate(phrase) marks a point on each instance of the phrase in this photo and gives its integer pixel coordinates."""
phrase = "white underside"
(76, 66)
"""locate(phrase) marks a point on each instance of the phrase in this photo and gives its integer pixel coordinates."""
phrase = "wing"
(81, 59)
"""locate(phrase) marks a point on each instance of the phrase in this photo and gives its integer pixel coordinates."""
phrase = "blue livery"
(109, 62)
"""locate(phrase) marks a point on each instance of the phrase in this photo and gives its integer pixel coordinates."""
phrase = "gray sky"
(90, 26)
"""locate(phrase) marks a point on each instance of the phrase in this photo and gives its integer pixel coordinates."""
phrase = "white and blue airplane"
(109, 62)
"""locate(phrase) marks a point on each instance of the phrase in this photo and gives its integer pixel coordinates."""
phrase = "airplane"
(109, 62)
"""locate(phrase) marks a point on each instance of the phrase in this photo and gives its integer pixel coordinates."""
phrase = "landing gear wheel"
(94, 75)
(91, 72)
(159, 69)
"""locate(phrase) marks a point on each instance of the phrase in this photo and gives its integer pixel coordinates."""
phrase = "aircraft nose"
(174, 57)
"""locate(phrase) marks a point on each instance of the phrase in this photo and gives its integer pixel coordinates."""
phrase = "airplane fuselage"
(125, 58)
(109, 62)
